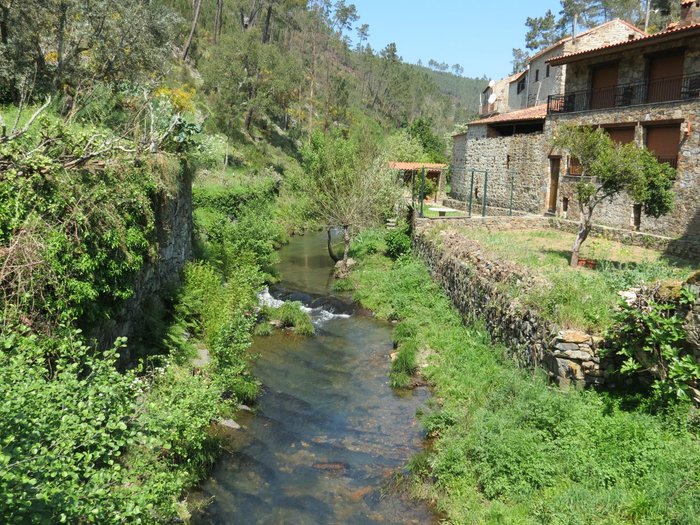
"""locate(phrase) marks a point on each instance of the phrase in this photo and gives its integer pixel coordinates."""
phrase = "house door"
(665, 77)
(604, 86)
(554, 166)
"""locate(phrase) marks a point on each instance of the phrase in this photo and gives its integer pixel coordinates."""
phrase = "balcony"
(663, 90)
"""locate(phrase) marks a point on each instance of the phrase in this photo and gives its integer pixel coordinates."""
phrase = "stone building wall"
(631, 65)
(512, 162)
(684, 219)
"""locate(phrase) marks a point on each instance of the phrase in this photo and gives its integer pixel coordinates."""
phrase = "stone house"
(532, 86)
(641, 88)
(645, 91)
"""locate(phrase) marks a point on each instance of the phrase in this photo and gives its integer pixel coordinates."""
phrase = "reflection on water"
(329, 433)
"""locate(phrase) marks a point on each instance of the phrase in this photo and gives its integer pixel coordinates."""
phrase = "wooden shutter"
(664, 142)
(621, 135)
(665, 77)
(604, 86)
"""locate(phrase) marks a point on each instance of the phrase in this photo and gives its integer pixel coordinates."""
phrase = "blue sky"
(479, 35)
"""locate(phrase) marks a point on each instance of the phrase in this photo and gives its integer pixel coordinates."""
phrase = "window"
(621, 135)
(547, 72)
(575, 168)
(537, 75)
(521, 85)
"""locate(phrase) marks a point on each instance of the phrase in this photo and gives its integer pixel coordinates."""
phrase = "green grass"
(510, 449)
(579, 297)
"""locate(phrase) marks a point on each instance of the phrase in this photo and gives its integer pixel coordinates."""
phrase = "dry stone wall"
(471, 280)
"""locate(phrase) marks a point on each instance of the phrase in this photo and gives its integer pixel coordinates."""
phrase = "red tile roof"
(408, 166)
(533, 113)
(568, 38)
(687, 2)
(670, 34)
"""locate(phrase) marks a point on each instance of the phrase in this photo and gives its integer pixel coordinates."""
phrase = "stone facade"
(544, 80)
(530, 156)
(684, 220)
(513, 163)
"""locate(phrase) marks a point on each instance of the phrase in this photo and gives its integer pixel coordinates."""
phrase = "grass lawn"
(579, 297)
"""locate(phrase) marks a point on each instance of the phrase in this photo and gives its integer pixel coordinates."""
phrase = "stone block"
(573, 336)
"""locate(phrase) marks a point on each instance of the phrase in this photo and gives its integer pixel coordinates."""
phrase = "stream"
(328, 434)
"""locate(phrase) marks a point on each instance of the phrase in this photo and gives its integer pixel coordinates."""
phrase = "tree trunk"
(330, 248)
(218, 20)
(583, 231)
(266, 27)
(4, 34)
(346, 240)
(195, 18)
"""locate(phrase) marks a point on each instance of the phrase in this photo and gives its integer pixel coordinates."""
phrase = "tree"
(345, 193)
(72, 45)
(434, 148)
(519, 61)
(542, 31)
(616, 169)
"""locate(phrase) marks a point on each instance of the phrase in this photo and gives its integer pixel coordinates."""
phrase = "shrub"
(398, 243)
(648, 337)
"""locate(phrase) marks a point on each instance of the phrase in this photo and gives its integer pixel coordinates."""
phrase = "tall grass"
(511, 449)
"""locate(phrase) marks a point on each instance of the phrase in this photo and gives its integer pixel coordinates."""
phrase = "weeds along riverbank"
(85, 440)
(510, 448)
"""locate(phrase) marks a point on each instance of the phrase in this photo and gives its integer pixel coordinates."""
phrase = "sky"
(478, 35)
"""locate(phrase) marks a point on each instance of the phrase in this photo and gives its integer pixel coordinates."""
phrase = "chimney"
(690, 13)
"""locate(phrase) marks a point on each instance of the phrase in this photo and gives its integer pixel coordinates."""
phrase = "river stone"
(229, 423)
(573, 336)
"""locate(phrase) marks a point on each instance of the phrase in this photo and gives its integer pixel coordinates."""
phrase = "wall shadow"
(687, 246)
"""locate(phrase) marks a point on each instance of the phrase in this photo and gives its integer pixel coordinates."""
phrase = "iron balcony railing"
(663, 90)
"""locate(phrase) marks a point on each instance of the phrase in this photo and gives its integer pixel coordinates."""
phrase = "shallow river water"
(329, 433)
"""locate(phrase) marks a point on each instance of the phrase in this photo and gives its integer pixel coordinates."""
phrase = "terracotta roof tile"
(642, 41)
(416, 166)
(533, 113)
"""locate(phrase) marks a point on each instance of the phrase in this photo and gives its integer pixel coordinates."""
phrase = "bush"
(398, 243)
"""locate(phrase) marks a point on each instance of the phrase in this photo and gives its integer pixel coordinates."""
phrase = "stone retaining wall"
(173, 221)
(471, 279)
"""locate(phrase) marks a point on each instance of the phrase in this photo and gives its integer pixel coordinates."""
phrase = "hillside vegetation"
(107, 109)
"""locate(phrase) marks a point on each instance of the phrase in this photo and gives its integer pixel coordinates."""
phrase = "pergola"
(427, 170)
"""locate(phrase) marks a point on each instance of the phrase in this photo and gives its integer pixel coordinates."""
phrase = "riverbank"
(510, 448)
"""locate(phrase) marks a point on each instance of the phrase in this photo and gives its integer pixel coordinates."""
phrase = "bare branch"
(17, 134)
